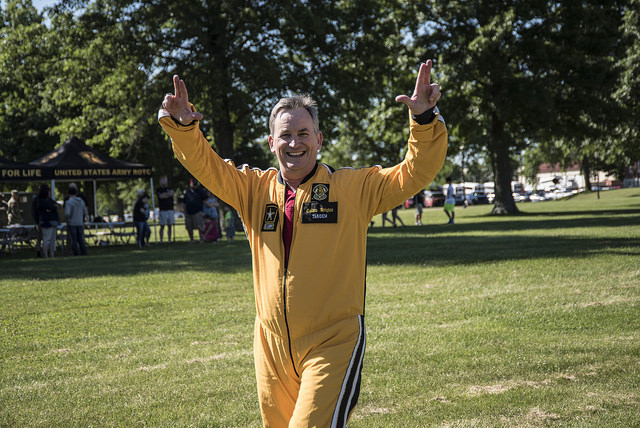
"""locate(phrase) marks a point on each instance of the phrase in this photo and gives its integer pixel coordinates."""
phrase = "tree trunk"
(586, 171)
(223, 130)
(221, 84)
(501, 161)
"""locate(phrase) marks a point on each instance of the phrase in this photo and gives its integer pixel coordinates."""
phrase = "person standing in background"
(211, 207)
(230, 224)
(395, 217)
(48, 220)
(418, 204)
(14, 213)
(165, 205)
(140, 216)
(75, 211)
(194, 198)
(36, 220)
(450, 202)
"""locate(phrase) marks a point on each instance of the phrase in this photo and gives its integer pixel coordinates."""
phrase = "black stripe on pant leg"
(356, 389)
(352, 379)
(356, 393)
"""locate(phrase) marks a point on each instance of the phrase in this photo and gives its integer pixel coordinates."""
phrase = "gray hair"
(293, 103)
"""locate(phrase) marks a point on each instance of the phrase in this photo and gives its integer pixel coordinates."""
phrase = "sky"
(40, 4)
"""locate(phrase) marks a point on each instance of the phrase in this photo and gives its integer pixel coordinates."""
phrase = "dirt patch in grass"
(370, 409)
(207, 359)
(489, 389)
(152, 368)
(507, 386)
(441, 399)
(538, 417)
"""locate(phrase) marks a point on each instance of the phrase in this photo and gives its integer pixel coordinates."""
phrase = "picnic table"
(110, 233)
(13, 237)
(16, 237)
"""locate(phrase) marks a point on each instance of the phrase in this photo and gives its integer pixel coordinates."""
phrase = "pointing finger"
(424, 76)
(176, 85)
(183, 90)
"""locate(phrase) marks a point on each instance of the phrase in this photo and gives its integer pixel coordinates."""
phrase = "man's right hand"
(177, 105)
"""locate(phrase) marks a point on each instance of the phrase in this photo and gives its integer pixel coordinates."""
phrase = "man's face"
(295, 143)
(163, 181)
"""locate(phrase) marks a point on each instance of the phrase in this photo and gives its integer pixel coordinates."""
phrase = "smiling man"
(295, 138)
(307, 227)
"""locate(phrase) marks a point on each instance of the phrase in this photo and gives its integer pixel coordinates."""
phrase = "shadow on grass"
(464, 243)
(129, 260)
(542, 221)
(437, 250)
(424, 245)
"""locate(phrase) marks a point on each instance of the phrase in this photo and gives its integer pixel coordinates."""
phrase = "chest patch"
(270, 219)
(319, 192)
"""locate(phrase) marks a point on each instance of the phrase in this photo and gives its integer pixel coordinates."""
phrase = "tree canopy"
(557, 78)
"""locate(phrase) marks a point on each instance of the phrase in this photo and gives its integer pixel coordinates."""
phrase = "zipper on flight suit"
(284, 278)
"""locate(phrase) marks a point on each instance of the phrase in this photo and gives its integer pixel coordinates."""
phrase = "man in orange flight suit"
(307, 227)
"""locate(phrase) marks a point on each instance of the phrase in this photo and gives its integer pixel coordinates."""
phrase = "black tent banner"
(74, 160)
(15, 171)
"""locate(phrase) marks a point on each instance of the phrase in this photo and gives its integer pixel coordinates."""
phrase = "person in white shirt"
(75, 210)
(450, 202)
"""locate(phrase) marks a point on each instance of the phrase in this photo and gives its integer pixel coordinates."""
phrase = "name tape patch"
(320, 212)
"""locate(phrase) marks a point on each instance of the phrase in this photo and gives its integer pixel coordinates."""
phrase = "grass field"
(530, 320)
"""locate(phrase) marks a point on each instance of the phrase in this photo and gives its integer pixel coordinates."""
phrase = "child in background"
(210, 229)
(229, 224)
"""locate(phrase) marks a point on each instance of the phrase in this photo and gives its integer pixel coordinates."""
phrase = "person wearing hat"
(14, 213)
(307, 226)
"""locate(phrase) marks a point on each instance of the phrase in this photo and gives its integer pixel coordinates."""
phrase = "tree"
(628, 92)
(238, 58)
(24, 64)
(493, 58)
(376, 132)
(520, 73)
(585, 41)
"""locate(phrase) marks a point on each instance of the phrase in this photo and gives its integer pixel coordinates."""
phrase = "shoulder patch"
(270, 218)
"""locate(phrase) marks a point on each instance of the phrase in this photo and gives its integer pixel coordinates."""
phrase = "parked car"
(472, 198)
(477, 198)
(461, 199)
(537, 196)
(434, 198)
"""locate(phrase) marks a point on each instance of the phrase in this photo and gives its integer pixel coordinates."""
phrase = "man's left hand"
(425, 95)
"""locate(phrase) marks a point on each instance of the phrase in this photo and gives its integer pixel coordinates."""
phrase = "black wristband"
(426, 117)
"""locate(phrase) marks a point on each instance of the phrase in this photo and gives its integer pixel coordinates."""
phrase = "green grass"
(530, 320)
